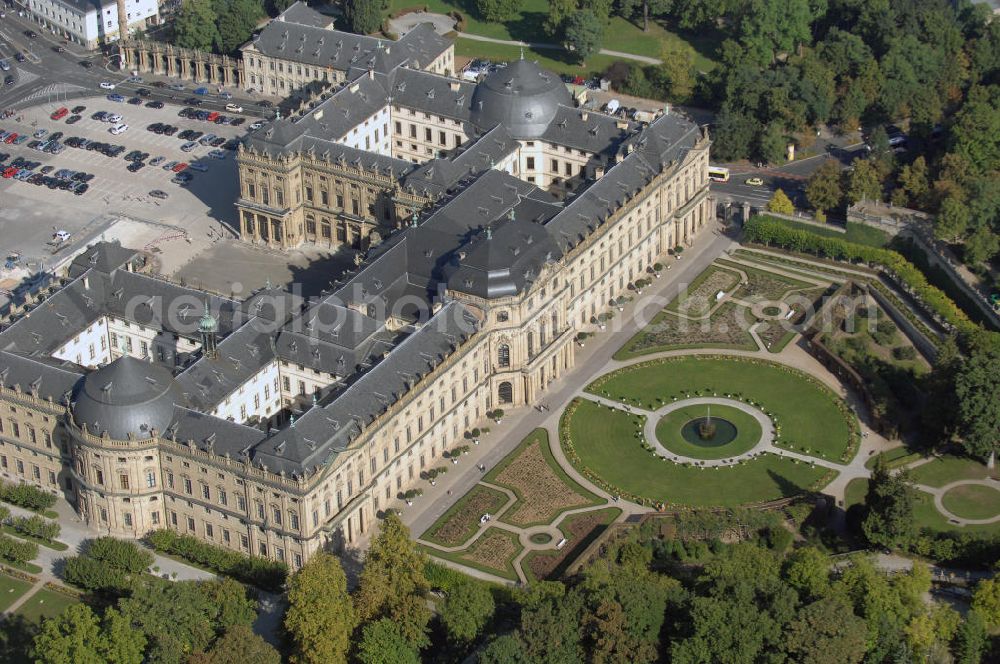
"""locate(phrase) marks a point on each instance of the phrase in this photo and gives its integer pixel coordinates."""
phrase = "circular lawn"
(605, 446)
(677, 432)
(809, 417)
(972, 501)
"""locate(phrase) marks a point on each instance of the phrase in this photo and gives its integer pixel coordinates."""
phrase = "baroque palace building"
(493, 222)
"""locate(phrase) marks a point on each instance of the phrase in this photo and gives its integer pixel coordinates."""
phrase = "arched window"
(503, 356)
(505, 393)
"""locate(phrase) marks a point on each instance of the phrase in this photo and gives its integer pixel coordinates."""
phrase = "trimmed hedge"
(255, 571)
(120, 554)
(36, 526)
(16, 551)
(95, 575)
(766, 231)
(26, 496)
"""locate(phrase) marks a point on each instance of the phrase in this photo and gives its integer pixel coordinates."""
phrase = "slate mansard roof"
(319, 46)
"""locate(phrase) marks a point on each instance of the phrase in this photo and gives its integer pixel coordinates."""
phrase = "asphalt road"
(48, 75)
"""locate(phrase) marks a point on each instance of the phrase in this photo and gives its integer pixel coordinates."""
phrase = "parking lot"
(30, 214)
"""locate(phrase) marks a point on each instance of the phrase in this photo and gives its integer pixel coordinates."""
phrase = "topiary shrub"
(27, 496)
(260, 572)
(120, 554)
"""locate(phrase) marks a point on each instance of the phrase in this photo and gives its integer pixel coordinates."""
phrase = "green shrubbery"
(120, 554)
(905, 353)
(27, 496)
(108, 565)
(884, 333)
(767, 231)
(259, 572)
(16, 551)
(36, 526)
(95, 575)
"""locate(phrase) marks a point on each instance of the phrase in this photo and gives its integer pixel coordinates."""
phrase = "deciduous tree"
(363, 16)
(72, 637)
(823, 190)
(977, 385)
(195, 25)
(497, 11)
(584, 33)
(382, 642)
(864, 183)
(826, 632)
(320, 616)
(392, 584)
(239, 645)
(466, 610)
(890, 498)
(780, 203)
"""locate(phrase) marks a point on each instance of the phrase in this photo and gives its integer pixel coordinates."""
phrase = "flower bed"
(461, 521)
(727, 327)
(699, 297)
(543, 489)
(495, 551)
(580, 530)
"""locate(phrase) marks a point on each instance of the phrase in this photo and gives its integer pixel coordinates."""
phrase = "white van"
(234, 108)
(119, 129)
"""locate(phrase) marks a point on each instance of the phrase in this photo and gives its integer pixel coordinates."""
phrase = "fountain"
(706, 428)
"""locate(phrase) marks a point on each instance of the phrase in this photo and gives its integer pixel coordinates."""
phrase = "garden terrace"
(461, 521)
(580, 531)
(542, 487)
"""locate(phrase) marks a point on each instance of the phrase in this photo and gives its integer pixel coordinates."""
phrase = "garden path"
(938, 493)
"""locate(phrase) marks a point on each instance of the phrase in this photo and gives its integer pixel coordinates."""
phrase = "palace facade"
(493, 222)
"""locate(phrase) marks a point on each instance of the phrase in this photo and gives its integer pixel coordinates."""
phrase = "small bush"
(26, 496)
(120, 554)
(256, 571)
(905, 353)
(36, 526)
(884, 333)
(17, 551)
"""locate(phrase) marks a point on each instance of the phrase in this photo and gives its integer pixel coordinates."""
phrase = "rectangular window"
(187, 486)
(293, 521)
(245, 542)
(223, 499)
(277, 515)
(170, 480)
(241, 503)
(209, 531)
(155, 518)
(173, 519)
(191, 524)
(150, 479)
(123, 481)
(225, 536)
(205, 493)
(128, 519)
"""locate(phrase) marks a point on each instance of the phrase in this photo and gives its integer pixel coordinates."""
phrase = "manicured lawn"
(808, 414)
(605, 448)
(11, 590)
(668, 432)
(553, 60)
(857, 233)
(945, 470)
(619, 34)
(897, 457)
(855, 492)
(543, 488)
(44, 604)
(972, 501)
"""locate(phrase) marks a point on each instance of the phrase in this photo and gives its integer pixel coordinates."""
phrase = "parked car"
(189, 146)
(77, 110)
(59, 113)
(198, 166)
(107, 85)
(73, 119)
(201, 91)
(8, 79)
(117, 98)
(41, 133)
(135, 101)
(119, 129)
(234, 108)
(154, 104)
(169, 166)
(159, 193)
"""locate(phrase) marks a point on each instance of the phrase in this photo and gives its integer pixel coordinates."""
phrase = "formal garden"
(808, 417)
(710, 431)
(722, 304)
(527, 500)
(605, 445)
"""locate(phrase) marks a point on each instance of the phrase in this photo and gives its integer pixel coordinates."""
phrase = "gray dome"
(522, 97)
(128, 396)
